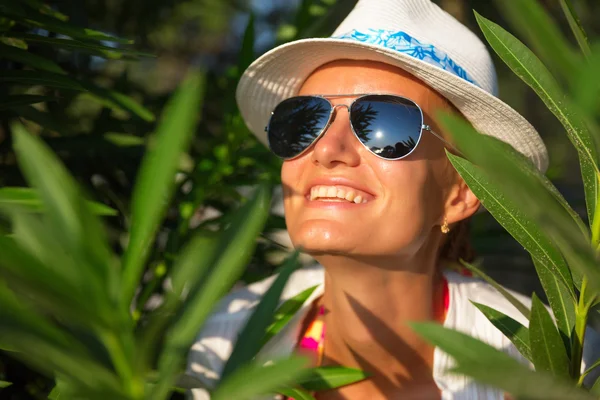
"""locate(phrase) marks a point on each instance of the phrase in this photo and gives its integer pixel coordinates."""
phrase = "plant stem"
(578, 337)
(133, 387)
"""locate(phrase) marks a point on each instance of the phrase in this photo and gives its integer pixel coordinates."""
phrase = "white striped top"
(217, 338)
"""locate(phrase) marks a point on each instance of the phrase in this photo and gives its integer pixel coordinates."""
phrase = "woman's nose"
(338, 145)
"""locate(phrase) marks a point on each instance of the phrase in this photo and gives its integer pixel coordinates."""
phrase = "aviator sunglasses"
(389, 126)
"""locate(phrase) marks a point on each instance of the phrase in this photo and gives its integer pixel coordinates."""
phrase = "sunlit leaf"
(29, 199)
(509, 215)
(156, 178)
(234, 251)
(252, 380)
(513, 330)
(561, 302)
(491, 366)
(536, 25)
(576, 26)
(547, 347)
(295, 393)
(531, 70)
(285, 312)
(4, 384)
(536, 201)
(324, 378)
(261, 318)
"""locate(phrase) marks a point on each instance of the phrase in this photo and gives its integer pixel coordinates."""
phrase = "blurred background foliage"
(99, 132)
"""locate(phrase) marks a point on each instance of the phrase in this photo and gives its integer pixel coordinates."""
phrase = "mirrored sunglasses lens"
(389, 126)
(296, 123)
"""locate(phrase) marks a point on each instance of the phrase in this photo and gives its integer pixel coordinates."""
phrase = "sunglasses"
(389, 126)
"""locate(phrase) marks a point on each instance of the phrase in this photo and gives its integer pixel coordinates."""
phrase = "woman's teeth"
(332, 193)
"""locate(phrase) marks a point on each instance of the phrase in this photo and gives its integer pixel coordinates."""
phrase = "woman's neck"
(367, 310)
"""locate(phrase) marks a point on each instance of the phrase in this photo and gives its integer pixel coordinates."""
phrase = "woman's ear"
(461, 202)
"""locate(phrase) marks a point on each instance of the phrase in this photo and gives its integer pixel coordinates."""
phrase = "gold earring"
(445, 228)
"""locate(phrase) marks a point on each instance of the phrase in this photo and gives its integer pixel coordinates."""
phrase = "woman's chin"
(321, 239)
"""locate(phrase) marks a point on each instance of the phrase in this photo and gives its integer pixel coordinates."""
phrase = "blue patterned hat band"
(404, 43)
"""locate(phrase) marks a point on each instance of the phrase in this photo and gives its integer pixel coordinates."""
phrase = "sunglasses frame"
(349, 107)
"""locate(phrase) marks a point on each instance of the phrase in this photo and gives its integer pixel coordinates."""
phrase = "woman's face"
(405, 199)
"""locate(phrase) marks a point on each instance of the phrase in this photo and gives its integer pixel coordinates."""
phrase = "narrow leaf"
(533, 72)
(505, 293)
(561, 302)
(38, 20)
(513, 330)
(29, 199)
(295, 393)
(250, 381)
(27, 58)
(77, 45)
(156, 180)
(547, 348)
(4, 384)
(72, 223)
(17, 100)
(235, 248)
(514, 177)
(285, 312)
(491, 366)
(576, 26)
(324, 378)
(509, 215)
(254, 330)
(537, 26)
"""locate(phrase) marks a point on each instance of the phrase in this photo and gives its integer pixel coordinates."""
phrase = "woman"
(370, 194)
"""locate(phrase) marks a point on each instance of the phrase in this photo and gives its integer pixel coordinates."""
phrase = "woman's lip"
(338, 181)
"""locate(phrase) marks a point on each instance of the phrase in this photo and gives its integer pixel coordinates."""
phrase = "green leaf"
(561, 302)
(295, 393)
(17, 100)
(4, 384)
(513, 330)
(234, 251)
(33, 60)
(491, 366)
(254, 330)
(38, 20)
(547, 348)
(69, 218)
(285, 312)
(29, 199)
(156, 179)
(513, 176)
(505, 293)
(38, 5)
(252, 380)
(509, 215)
(324, 378)
(76, 45)
(536, 25)
(531, 70)
(50, 79)
(576, 26)
(596, 387)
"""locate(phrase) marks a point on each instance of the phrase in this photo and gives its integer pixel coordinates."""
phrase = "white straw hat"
(415, 35)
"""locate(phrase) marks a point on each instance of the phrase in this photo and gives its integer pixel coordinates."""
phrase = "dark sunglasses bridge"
(411, 144)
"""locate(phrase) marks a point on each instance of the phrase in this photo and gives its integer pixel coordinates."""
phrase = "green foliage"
(76, 289)
(530, 208)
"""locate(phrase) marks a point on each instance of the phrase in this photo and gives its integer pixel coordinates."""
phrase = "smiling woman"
(370, 194)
